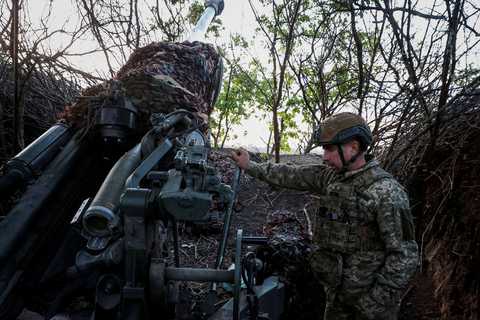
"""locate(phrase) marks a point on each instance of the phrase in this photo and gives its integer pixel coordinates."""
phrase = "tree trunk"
(18, 125)
(283, 67)
(216, 135)
(3, 141)
(227, 130)
(269, 150)
(276, 133)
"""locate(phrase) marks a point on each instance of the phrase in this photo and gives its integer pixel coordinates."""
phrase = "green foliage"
(264, 156)
(195, 11)
(323, 74)
(239, 41)
(288, 124)
(234, 104)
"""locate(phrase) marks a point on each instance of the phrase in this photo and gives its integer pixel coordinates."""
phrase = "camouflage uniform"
(364, 248)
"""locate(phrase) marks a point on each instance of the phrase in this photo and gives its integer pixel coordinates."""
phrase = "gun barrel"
(212, 8)
(198, 33)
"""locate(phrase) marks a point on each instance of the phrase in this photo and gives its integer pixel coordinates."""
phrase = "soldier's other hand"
(241, 158)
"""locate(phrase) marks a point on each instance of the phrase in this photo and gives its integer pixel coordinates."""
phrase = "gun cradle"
(146, 282)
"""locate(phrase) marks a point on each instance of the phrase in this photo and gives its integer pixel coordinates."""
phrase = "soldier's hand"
(241, 158)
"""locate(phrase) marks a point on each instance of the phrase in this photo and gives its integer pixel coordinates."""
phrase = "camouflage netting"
(446, 195)
(159, 78)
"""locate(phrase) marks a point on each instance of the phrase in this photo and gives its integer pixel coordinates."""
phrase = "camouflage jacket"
(363, 229)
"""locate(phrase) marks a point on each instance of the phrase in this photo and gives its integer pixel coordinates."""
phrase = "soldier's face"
(332, 158)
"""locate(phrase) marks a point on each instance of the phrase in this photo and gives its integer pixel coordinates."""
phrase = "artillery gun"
(122, 244)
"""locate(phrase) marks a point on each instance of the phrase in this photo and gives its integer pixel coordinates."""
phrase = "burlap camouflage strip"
(185, 70)
(160, 77)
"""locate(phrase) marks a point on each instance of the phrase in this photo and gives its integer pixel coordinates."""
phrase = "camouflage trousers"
(343, 304)
(338, 309)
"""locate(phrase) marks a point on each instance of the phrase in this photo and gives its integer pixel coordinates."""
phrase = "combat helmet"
(341, 128)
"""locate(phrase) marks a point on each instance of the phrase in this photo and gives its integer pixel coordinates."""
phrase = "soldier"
(364, 249)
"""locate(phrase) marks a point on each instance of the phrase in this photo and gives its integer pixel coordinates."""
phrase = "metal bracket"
(237, 277)
(147, 165)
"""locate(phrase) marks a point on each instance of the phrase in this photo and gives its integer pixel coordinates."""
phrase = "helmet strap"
(342, 157)
(345, 163)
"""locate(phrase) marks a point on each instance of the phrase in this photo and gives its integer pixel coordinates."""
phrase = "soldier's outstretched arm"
(397, 231)
(313, 177)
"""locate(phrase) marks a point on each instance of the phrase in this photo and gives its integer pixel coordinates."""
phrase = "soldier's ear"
(355, 146)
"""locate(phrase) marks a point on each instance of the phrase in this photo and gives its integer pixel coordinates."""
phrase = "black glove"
(218, 5)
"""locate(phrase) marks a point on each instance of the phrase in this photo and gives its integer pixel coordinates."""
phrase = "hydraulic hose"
(101, 216)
